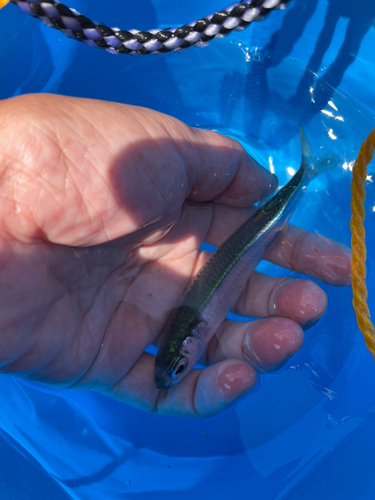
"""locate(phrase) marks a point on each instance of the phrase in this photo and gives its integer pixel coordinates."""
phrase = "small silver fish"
(214, 290)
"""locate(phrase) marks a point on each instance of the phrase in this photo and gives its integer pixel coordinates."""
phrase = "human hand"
(103, 209)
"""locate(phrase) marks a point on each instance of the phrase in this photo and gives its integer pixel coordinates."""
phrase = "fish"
(214, 290)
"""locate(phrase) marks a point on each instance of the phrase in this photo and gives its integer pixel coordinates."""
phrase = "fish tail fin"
(314, 164)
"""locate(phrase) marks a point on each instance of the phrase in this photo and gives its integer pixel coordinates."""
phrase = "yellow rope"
(3, 3)
(357, 227)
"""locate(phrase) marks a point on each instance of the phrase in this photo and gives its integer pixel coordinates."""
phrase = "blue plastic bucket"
(307, 431)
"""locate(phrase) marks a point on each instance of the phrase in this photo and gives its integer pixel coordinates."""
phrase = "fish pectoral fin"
(199, 329)
(192, 346)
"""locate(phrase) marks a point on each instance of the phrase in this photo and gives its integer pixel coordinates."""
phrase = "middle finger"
(299, 299)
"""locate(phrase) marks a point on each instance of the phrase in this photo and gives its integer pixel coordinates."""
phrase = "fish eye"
(178, 366)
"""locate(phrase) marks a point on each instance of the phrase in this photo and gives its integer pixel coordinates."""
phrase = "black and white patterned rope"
(235, 17)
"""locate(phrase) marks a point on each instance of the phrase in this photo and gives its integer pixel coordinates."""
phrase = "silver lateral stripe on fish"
(214, 290)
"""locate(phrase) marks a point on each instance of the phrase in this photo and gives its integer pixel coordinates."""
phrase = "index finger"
(224, 171)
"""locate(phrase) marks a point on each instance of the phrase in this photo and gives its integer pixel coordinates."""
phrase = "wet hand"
(103, 210)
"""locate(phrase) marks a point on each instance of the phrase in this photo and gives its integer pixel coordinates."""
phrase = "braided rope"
(235, 17)
(364, 157)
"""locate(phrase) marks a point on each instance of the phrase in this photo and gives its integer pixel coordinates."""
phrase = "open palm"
(103, 208)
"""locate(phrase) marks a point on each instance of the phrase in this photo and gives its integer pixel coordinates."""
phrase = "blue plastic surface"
(307, 431)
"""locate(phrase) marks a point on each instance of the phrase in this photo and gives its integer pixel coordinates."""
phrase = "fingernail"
(273, 179)
(271, 342)
(339, 268)
(234, 380)
(300, 300)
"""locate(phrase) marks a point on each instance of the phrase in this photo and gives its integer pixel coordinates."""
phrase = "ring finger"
(265, 344)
